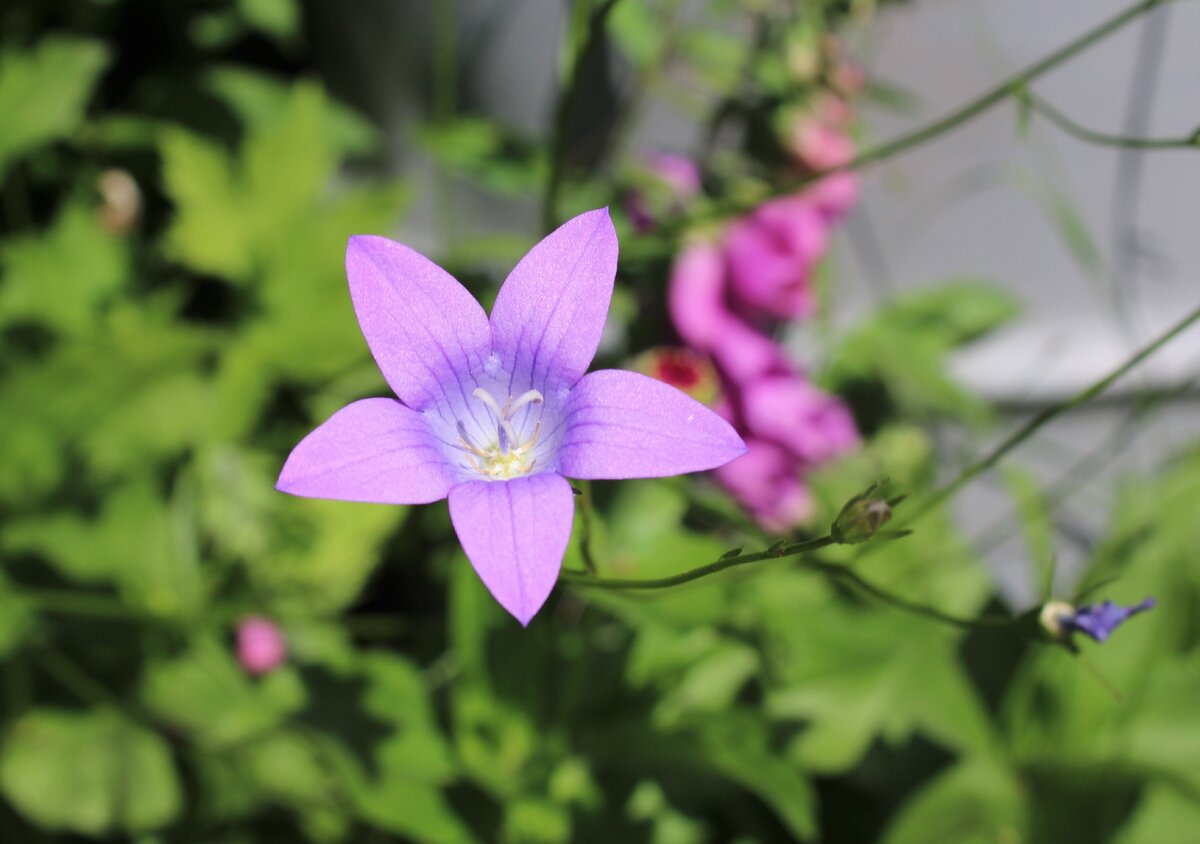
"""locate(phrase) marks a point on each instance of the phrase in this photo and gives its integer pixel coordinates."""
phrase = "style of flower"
(496, 412)
(1097, 621)
(261, 647)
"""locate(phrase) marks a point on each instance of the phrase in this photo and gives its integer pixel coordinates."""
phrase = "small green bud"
(861, 518)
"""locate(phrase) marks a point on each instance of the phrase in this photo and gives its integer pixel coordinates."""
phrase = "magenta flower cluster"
(726, 294)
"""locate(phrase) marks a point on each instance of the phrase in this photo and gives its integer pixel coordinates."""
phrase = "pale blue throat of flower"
(509, 453)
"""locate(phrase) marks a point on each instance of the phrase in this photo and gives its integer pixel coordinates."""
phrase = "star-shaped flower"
(496, 412)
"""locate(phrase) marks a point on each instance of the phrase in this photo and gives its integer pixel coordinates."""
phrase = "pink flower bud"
(260, 645)
(819, 138)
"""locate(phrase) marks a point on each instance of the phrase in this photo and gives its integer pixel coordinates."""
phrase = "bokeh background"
(190, 656)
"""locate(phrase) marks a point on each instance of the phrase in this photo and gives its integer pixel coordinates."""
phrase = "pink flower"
(766, 480)
(834, 195)
(772, 253)
(697, 302)
(819, 139)
(790, 411)
(261, 647)
(696, 294)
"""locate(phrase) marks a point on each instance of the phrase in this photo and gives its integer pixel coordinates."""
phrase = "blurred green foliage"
(157, 362)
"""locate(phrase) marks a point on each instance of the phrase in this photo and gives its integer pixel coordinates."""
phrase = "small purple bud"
(1099, 620)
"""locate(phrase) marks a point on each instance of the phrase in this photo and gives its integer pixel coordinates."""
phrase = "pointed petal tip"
(514, 534)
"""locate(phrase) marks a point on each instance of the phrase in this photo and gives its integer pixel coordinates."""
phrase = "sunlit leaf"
(91, 773)
(43, 92)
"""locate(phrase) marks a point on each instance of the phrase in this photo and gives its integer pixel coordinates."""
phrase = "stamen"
(527, 397)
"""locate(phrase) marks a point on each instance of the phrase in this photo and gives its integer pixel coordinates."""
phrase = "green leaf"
(232, 213)
(91, 773)
(487, 152)
(206, 695)
(1072, 229)
(905, 345)
(60, 277)
(400, 788)
(135, 543)
(855, 677)
(972, 803)
(1164, 815)
(637, 33)
(279, 19)
(325, 553)
(259, 100)
(738, 746)
(43, 92)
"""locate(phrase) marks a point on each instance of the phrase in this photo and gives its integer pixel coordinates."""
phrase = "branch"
(1072, 128)
(775, 552)
(840, 572)
(829, 570)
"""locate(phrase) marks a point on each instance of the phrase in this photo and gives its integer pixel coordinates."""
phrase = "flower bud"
(1055, 619)
(261, 647)
(861, 518)
(121, 201)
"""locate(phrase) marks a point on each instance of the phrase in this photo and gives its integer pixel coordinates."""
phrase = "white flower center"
(506, 456)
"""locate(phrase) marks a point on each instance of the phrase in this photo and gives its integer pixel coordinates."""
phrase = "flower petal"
(515, 533)
(627, 425)
(549, 315)
(374, 450)
(423, 327)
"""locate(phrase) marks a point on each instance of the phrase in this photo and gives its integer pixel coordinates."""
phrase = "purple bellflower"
(496, 412)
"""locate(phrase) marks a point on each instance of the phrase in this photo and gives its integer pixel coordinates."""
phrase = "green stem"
(1013, 86)
(585, 513)
(1029, 428)
(579, 578)
(830, 570)
(584, 46)
(838, 572)
(1093, 137)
